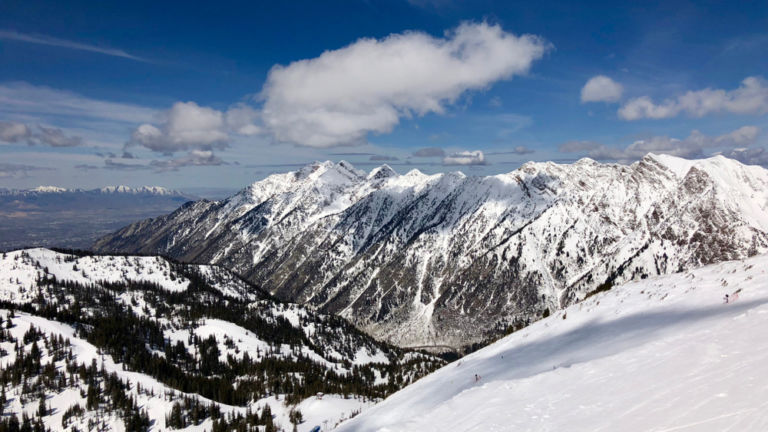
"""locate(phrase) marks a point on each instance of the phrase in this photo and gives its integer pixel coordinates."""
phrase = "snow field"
(661, 354)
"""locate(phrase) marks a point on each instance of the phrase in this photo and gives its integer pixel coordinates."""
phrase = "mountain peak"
(48, 189)
(382, 172)
(122, 189)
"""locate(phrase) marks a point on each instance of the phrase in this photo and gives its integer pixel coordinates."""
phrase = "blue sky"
(221, 95)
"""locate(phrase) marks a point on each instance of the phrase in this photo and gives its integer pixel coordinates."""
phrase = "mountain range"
(451, 260)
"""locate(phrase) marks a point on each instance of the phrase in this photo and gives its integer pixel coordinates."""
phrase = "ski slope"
(662, 354)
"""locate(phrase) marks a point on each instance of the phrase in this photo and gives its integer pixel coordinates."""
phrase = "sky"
(222, 94)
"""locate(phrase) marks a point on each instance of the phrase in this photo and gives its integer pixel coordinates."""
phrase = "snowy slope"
(20, 274)
(449, 259)
(155, 398)
(662, 354)
(171, 332)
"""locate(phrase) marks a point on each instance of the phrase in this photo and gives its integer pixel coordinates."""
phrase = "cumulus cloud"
(694, 146)
(344, 94)
(14, 132)
(750, 98)
(600, 88)
(188, 126)
(241, 119)
(465, 158)
(55, 137)
(749, 156)
(429, 152)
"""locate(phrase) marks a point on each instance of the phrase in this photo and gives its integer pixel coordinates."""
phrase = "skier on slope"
(726, 298)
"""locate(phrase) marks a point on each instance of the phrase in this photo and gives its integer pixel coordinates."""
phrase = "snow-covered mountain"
(448, 259)
(121, 189)
(118, 341)
(661, 354)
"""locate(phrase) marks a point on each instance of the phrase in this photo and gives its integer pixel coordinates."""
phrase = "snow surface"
(157, 406)
(661, 354)
(18, 275)
(327, 411)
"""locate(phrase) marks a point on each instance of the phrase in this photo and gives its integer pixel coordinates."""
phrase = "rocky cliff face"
(448, 259)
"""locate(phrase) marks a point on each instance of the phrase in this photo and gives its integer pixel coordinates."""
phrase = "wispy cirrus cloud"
(63, 43)
(11, 170)
(41, 102)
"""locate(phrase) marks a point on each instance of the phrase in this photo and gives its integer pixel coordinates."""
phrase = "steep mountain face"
(102, 339)
(74, 218)
(448, 259)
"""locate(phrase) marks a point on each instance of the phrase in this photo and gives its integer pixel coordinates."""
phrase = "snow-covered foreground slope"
(449, 259)
(152, 396)
(95, 342)
(662, 354)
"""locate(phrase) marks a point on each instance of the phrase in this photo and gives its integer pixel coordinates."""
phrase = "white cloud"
(241, 118)
(600, 88)
(750, 98)
(52, 41)
(749, 156)
(465, 158)
(15, 132)
(695, 145)
(54, 137)
(342, 95)
(188, 126)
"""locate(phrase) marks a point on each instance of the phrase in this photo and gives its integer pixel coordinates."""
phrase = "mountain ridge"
(450, 259)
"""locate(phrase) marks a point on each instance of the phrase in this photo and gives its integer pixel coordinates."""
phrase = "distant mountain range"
(112, 190)
(448, 259)
(54, 216)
